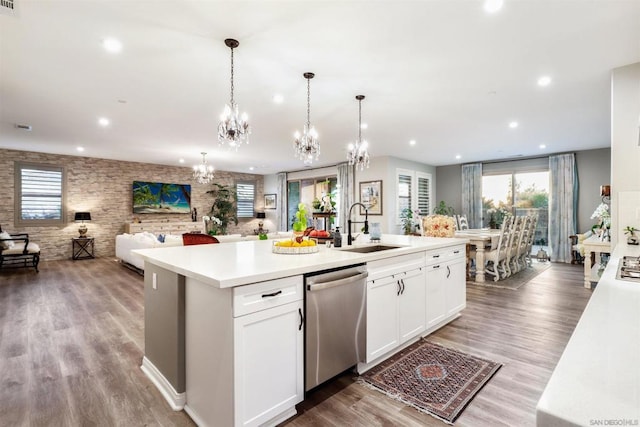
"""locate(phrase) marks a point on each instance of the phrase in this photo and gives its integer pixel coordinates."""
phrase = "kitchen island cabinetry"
(244, 354)
(446, 286)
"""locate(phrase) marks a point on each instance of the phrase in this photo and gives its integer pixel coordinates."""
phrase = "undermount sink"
(372, 248)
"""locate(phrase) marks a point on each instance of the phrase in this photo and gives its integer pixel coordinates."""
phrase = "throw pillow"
(161, 238)
(6, 244)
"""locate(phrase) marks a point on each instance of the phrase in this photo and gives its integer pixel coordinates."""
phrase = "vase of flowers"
(604, 222)
(631, 237)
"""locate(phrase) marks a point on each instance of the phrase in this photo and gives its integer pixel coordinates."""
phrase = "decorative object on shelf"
(438, 226)
(260, 230)
(270, 201)
(234, 128)
(223, 208)
(82, 216)
(307, 146)
(605, 193)
(203, 173)
(374, 232)
(371, 196)
(604, 222)
(358, 153)
(631, 239)
(317, 204)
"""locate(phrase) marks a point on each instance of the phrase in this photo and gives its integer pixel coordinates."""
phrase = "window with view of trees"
(39, 194)
(517, 193)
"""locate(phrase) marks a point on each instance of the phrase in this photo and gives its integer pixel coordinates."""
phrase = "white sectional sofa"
(125, 243)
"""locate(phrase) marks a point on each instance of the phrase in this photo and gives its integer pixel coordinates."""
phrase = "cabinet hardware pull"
(436, 256)
(301, 319)
(436, 266)
(456, 252)
(272, 295)
(398, 283)
(402, 280)
(448, 271)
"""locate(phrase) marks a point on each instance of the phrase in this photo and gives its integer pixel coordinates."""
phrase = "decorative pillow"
(438, 226)
(6, 244)
(161, 238)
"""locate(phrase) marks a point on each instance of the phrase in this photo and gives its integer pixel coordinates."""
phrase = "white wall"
(270, 187)
(625, 150)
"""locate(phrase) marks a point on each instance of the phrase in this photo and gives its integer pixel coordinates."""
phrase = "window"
(39, 194)
(308, 191)
(414, 192)
(246, 192)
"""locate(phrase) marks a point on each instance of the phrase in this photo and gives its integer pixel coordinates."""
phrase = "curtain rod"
(515, 159)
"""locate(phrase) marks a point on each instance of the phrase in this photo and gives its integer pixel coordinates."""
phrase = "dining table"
(481, 239)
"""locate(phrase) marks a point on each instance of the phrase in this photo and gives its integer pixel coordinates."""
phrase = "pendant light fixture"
(306, 146)
(203, 173)
(357, 153)
(233, 129)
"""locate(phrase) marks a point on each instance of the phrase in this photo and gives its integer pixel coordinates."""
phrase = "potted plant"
(223, 207)
(631, 239)
(406, 219)
(443, 209)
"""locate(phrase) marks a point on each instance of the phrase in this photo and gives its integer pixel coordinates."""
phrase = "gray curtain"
(346, 183)
(472, 194)
(563, 203)
(281, 202)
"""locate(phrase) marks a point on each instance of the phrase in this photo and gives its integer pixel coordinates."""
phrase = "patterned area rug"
(517, 280)
(431, 378)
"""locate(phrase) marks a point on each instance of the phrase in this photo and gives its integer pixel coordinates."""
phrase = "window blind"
(40, 194)
(245, 201)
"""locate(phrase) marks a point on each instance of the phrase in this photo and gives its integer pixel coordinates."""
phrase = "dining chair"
(189, 239)
(533, 222)
(495, 258)
(463, 224)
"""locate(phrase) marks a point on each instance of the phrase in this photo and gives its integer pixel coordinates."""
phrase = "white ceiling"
(444, 73)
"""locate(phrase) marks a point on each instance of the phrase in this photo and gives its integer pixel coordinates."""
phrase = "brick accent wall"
(104, 188)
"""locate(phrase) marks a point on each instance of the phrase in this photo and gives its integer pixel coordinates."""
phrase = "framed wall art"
(371, 196)
(270, 201)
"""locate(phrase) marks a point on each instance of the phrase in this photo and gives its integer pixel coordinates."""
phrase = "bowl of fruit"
(300, 243)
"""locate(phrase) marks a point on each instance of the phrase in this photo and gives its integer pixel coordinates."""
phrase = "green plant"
(443, 209)
(630, 230)
(262, 236)
(316, 204)
(223, 207)
(300, 219)
(406, 219)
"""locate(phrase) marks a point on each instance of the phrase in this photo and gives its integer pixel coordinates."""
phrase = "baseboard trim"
(176, 400)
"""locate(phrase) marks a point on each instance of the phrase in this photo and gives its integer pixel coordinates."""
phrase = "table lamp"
(82, 216)
(261, 216)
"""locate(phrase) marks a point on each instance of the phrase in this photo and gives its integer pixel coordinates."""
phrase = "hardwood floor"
(72, 340)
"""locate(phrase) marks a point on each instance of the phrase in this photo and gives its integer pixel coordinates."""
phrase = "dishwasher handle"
(340, 282)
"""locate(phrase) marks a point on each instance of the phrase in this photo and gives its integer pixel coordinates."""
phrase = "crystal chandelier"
(358, 154)
(306, 146)
(233, 128)
(203, 173)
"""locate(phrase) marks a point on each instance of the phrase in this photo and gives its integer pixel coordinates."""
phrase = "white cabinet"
(395, 303)
(244, 352)
(268, 363)
(446, 285)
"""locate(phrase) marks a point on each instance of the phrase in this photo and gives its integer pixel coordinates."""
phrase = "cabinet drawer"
(395, 265)
(445, 254)
(263, 295)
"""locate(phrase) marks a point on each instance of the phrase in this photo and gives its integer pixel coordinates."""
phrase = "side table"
(595, 245)
(82, 247)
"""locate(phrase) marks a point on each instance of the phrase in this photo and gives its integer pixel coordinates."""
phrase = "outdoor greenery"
(529, 198)
(223, 207)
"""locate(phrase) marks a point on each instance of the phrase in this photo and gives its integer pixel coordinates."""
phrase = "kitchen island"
(597, 380)
(224, 323)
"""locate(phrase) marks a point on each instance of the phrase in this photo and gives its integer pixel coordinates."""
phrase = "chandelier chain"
(359, 120)
(232, 87)
(308, 103)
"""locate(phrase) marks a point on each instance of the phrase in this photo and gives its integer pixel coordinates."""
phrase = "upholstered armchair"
(17, 251)
(577, 247)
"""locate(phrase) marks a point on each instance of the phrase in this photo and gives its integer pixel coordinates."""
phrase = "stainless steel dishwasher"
(335, 335)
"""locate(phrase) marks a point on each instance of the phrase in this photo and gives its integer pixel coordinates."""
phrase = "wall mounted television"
(157, 197)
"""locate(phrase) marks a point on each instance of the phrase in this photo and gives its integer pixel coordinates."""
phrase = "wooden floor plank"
(72, 341)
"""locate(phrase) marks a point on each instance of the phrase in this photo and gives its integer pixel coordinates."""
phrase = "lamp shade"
(82, 216)
(261, 215)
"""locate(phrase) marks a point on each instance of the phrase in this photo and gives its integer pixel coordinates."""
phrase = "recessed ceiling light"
(542, 146)
(278, 99)
(492, 6)
(80, 149)
(112, 45)
(544, 81)
(458, 156)
(412, 142)
(364, 126)
(103, 121)
(513, 125)
(181, 161)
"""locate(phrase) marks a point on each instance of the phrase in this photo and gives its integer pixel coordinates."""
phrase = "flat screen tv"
(157, 197)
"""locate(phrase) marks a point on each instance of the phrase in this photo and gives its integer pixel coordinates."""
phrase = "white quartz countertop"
(233, 264)
(597, 380)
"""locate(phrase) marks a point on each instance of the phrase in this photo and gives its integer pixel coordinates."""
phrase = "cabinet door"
(412, 304)
(456, 286)
(435, 295)
(382, 316)
(269, 371)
